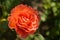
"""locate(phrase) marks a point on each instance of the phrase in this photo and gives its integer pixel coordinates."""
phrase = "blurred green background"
(50, 19)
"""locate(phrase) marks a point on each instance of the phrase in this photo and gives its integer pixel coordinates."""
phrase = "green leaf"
(39, 37)
(53, 4)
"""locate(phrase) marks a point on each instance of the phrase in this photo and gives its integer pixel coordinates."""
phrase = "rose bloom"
(24, 19)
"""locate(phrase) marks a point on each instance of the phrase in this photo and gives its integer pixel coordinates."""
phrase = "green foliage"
(35, 37)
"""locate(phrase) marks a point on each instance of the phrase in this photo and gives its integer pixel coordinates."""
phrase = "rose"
(24, 19)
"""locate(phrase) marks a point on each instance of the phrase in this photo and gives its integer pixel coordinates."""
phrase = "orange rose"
(24, 19)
